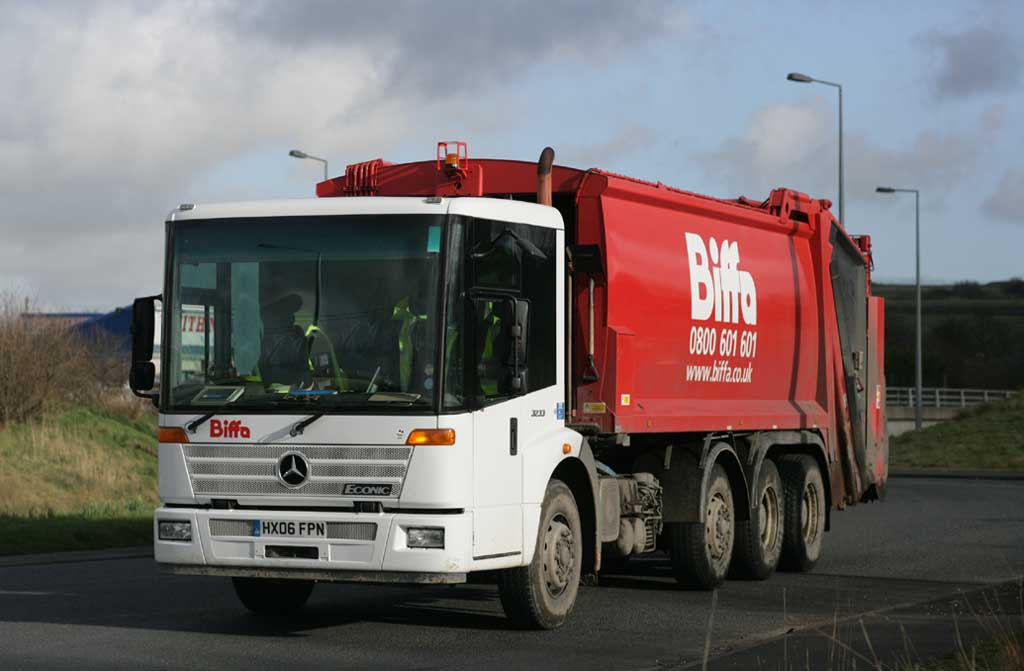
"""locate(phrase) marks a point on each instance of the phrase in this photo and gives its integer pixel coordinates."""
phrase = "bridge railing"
(941, 397)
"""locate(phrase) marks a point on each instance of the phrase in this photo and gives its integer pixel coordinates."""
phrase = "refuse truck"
(525, 371)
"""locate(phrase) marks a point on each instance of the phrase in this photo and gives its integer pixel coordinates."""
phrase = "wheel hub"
(809, 513)
(559, 555)
(768, 519)
(718, 527)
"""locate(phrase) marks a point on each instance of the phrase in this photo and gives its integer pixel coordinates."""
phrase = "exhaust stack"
(547, 158)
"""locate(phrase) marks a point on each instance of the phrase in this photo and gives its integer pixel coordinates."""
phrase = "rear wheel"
(542, 594)
(759, 539)
(804, 528)
(701, 552)
(272, 597)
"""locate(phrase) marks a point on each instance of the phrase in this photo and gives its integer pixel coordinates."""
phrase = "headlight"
(425, 537)
(175, 531)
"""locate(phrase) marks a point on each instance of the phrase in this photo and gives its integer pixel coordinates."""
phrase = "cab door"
(511, 313)
(498, 481)
(498, 477)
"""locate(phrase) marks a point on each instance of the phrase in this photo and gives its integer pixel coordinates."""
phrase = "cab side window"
(512, 275)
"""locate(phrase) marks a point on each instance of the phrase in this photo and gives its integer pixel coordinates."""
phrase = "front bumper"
(223, 543)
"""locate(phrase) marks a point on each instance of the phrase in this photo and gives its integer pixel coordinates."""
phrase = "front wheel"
(804, 530)
(542, 594)
(264, 596)
(701, 552)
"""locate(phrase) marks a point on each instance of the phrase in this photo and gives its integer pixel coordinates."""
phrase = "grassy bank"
(1003, 652)
(988, 437)
(79, 478)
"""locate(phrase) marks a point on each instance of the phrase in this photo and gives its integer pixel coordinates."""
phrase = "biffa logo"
(232, 429)
(718, 288)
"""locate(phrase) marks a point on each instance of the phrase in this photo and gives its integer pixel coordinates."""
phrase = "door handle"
(513, 436)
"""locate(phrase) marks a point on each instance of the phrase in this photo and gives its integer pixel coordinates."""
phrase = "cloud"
(794, 145)
(113, 109)
(974, 61)
(454, 44)
(1007, 201)
(780, 144)
(627, 141)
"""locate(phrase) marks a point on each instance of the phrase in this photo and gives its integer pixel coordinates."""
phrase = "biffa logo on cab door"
(720, 293)
(232, 429)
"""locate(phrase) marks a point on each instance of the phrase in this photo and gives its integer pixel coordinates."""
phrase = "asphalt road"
(910, 567)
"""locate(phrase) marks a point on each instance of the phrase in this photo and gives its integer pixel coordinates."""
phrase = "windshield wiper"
(192, 426)
(321, 405)
(301, 426)
(394, 397)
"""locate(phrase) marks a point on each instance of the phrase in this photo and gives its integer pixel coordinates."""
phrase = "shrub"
(44, 363)
(968, 289)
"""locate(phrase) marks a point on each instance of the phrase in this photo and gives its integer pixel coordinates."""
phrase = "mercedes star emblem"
(293, 469)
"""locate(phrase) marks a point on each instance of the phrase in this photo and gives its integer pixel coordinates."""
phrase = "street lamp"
(804, 79)
(301, 154)
(917, 253)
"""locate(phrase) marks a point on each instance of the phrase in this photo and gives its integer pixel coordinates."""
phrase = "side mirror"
(142, 375)
(143, 328)
(501, 347)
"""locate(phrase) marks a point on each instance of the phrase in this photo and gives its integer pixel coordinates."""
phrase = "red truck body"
(709, 315)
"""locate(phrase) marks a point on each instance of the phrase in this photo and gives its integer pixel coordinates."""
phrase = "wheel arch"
(724, 454)
(580, 475)
(687, 475)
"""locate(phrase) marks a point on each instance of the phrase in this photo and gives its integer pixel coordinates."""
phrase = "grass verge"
(81, 478)
(59, 533)
(1003, 652)
(987, 437)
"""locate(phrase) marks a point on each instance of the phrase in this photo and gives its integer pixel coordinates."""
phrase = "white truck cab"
(378, 395)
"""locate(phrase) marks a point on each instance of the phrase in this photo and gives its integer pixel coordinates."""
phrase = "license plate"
(289, 529)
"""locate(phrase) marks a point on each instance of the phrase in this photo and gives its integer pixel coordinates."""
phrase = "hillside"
(972, 334)
(77, 479)
(988, 437)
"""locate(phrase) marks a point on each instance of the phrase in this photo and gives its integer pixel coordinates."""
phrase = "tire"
(264, 596)
(542, 594)
(759, 539)
(701, 552)
(804, 513)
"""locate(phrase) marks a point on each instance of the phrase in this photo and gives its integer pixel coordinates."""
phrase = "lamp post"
(804, 79)
(917, 254)
(301, 154)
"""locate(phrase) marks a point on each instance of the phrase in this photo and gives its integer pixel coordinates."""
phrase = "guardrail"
(939, 397)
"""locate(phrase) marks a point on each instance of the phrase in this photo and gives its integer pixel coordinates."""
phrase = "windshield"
(314, 313)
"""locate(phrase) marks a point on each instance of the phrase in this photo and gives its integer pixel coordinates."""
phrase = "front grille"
(353, 531)
(267, 469)
(264, 451)
(349, 531)
(251, 470)
(231, 527)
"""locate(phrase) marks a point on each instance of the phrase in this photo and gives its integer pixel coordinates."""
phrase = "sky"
(116, 112)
